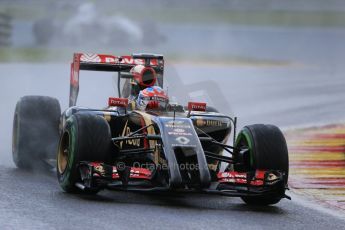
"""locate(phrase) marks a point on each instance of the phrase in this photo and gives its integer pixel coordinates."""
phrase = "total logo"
(182, 140)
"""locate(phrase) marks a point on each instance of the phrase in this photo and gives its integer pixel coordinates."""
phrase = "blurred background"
(251, 31)
(265, 61)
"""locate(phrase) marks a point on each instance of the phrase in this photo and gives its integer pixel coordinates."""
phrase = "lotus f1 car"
(180, 148)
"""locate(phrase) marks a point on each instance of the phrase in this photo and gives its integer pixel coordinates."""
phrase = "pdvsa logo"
(90, 58)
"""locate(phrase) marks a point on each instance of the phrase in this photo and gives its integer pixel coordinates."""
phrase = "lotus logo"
(182, 140)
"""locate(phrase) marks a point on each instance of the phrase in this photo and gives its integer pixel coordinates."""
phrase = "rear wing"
(110, 63)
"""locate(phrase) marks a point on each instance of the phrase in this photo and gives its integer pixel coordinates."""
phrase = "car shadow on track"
(177, 200)
(169, 200)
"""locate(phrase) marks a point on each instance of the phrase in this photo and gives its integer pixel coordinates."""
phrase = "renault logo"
(182, 140)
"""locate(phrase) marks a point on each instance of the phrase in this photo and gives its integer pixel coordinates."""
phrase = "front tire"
(35, 131)
(85, 137)
(268, 151)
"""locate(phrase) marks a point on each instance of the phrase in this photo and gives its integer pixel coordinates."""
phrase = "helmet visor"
(153, 102)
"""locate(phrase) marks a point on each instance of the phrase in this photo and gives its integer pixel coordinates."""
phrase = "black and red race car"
(179, 148)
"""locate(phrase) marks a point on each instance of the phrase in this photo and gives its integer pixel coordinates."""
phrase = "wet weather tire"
(85, 137)
(35, 131)
(267, 150)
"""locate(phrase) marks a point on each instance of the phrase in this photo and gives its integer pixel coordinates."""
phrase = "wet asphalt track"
(36, 202)
(286, 96)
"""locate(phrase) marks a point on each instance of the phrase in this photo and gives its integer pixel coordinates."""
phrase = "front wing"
(234, 184)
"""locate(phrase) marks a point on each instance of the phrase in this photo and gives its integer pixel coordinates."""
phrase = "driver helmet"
(152, 98)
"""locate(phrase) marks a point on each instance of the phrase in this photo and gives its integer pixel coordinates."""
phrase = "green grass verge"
(192, 15)
(254, 18)
(33, 55)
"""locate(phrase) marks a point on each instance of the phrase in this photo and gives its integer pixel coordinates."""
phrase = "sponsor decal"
(100, 169)
(130, 60)
(104, 58)
(126, 131)
(140, 173)
(196, 106)
(180, 134)
(233, 175)
(90, 58)
(175, 122)
(179, 130)
(111, 59)
(178, 126)
(187, 146)
(137, 61)
(182, 140)
(202, 122)
(120, 102)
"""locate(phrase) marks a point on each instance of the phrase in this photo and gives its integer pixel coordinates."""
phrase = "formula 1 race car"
(172, 148)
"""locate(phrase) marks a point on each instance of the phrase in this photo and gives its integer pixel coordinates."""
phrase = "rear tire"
(85, 137)
(267, 150)
(35, 131)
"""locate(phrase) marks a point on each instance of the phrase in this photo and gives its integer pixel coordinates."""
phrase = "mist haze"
(247, 50)
(264, 61)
